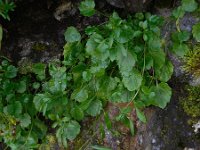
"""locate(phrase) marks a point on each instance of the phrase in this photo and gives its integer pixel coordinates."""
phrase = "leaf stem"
(178, 25)
(144, 64)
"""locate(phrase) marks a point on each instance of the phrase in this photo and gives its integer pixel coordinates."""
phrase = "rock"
(63, 7)
(163, 3)
(131, 5)
(196, 127)
(194, 81)
(116, 3)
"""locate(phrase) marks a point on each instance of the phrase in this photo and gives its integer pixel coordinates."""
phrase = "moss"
(192, 62)
(191, 104)
(39, 46)
(50, 143)
(78, 142)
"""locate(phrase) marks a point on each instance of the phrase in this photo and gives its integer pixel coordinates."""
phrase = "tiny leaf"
(134, 81)
(97, 147)
(94, 108)
(87, 8)
(189, 5)
(25, 120)
(77, 113)
(141, 115)
(72, 35)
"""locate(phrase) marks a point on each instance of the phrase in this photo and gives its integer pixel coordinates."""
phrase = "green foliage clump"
(5, 7)
(186, 6)
(15, 99)
(121, 61)
(179, 38)
(192, 62)
(191, 104)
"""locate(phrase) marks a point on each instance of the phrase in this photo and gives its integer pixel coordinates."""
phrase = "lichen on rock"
(37, 46)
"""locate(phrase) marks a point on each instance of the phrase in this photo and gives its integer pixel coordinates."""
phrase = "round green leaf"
(87, 8)
(21, 88)
(180, 49)
(72, 129)
(25, 120)
(134, 81)
(165, 73)
(11, 72)
(72, 35)
(182, 36)
(94, 108)
(178, 12)
(80, 95)
(77, 113)
(189, 5)
(36, 85)
(162, 95)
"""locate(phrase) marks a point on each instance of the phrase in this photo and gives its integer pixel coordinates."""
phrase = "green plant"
(87, 8)
(14, 98)
(192, 62)
(179, 38)
(120, 61)
(5, 7)
(186, 6)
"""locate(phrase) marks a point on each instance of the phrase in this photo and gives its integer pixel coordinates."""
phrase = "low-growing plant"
(5, 7)
(180, 37)
(18, 121)
(121, 61)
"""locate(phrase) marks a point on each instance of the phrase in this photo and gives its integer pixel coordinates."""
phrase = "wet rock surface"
(35, 32)
(33, 23)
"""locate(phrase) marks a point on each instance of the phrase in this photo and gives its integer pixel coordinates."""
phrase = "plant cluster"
(20, 125)
(180, 37)
(120, 61)
(5, 7)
